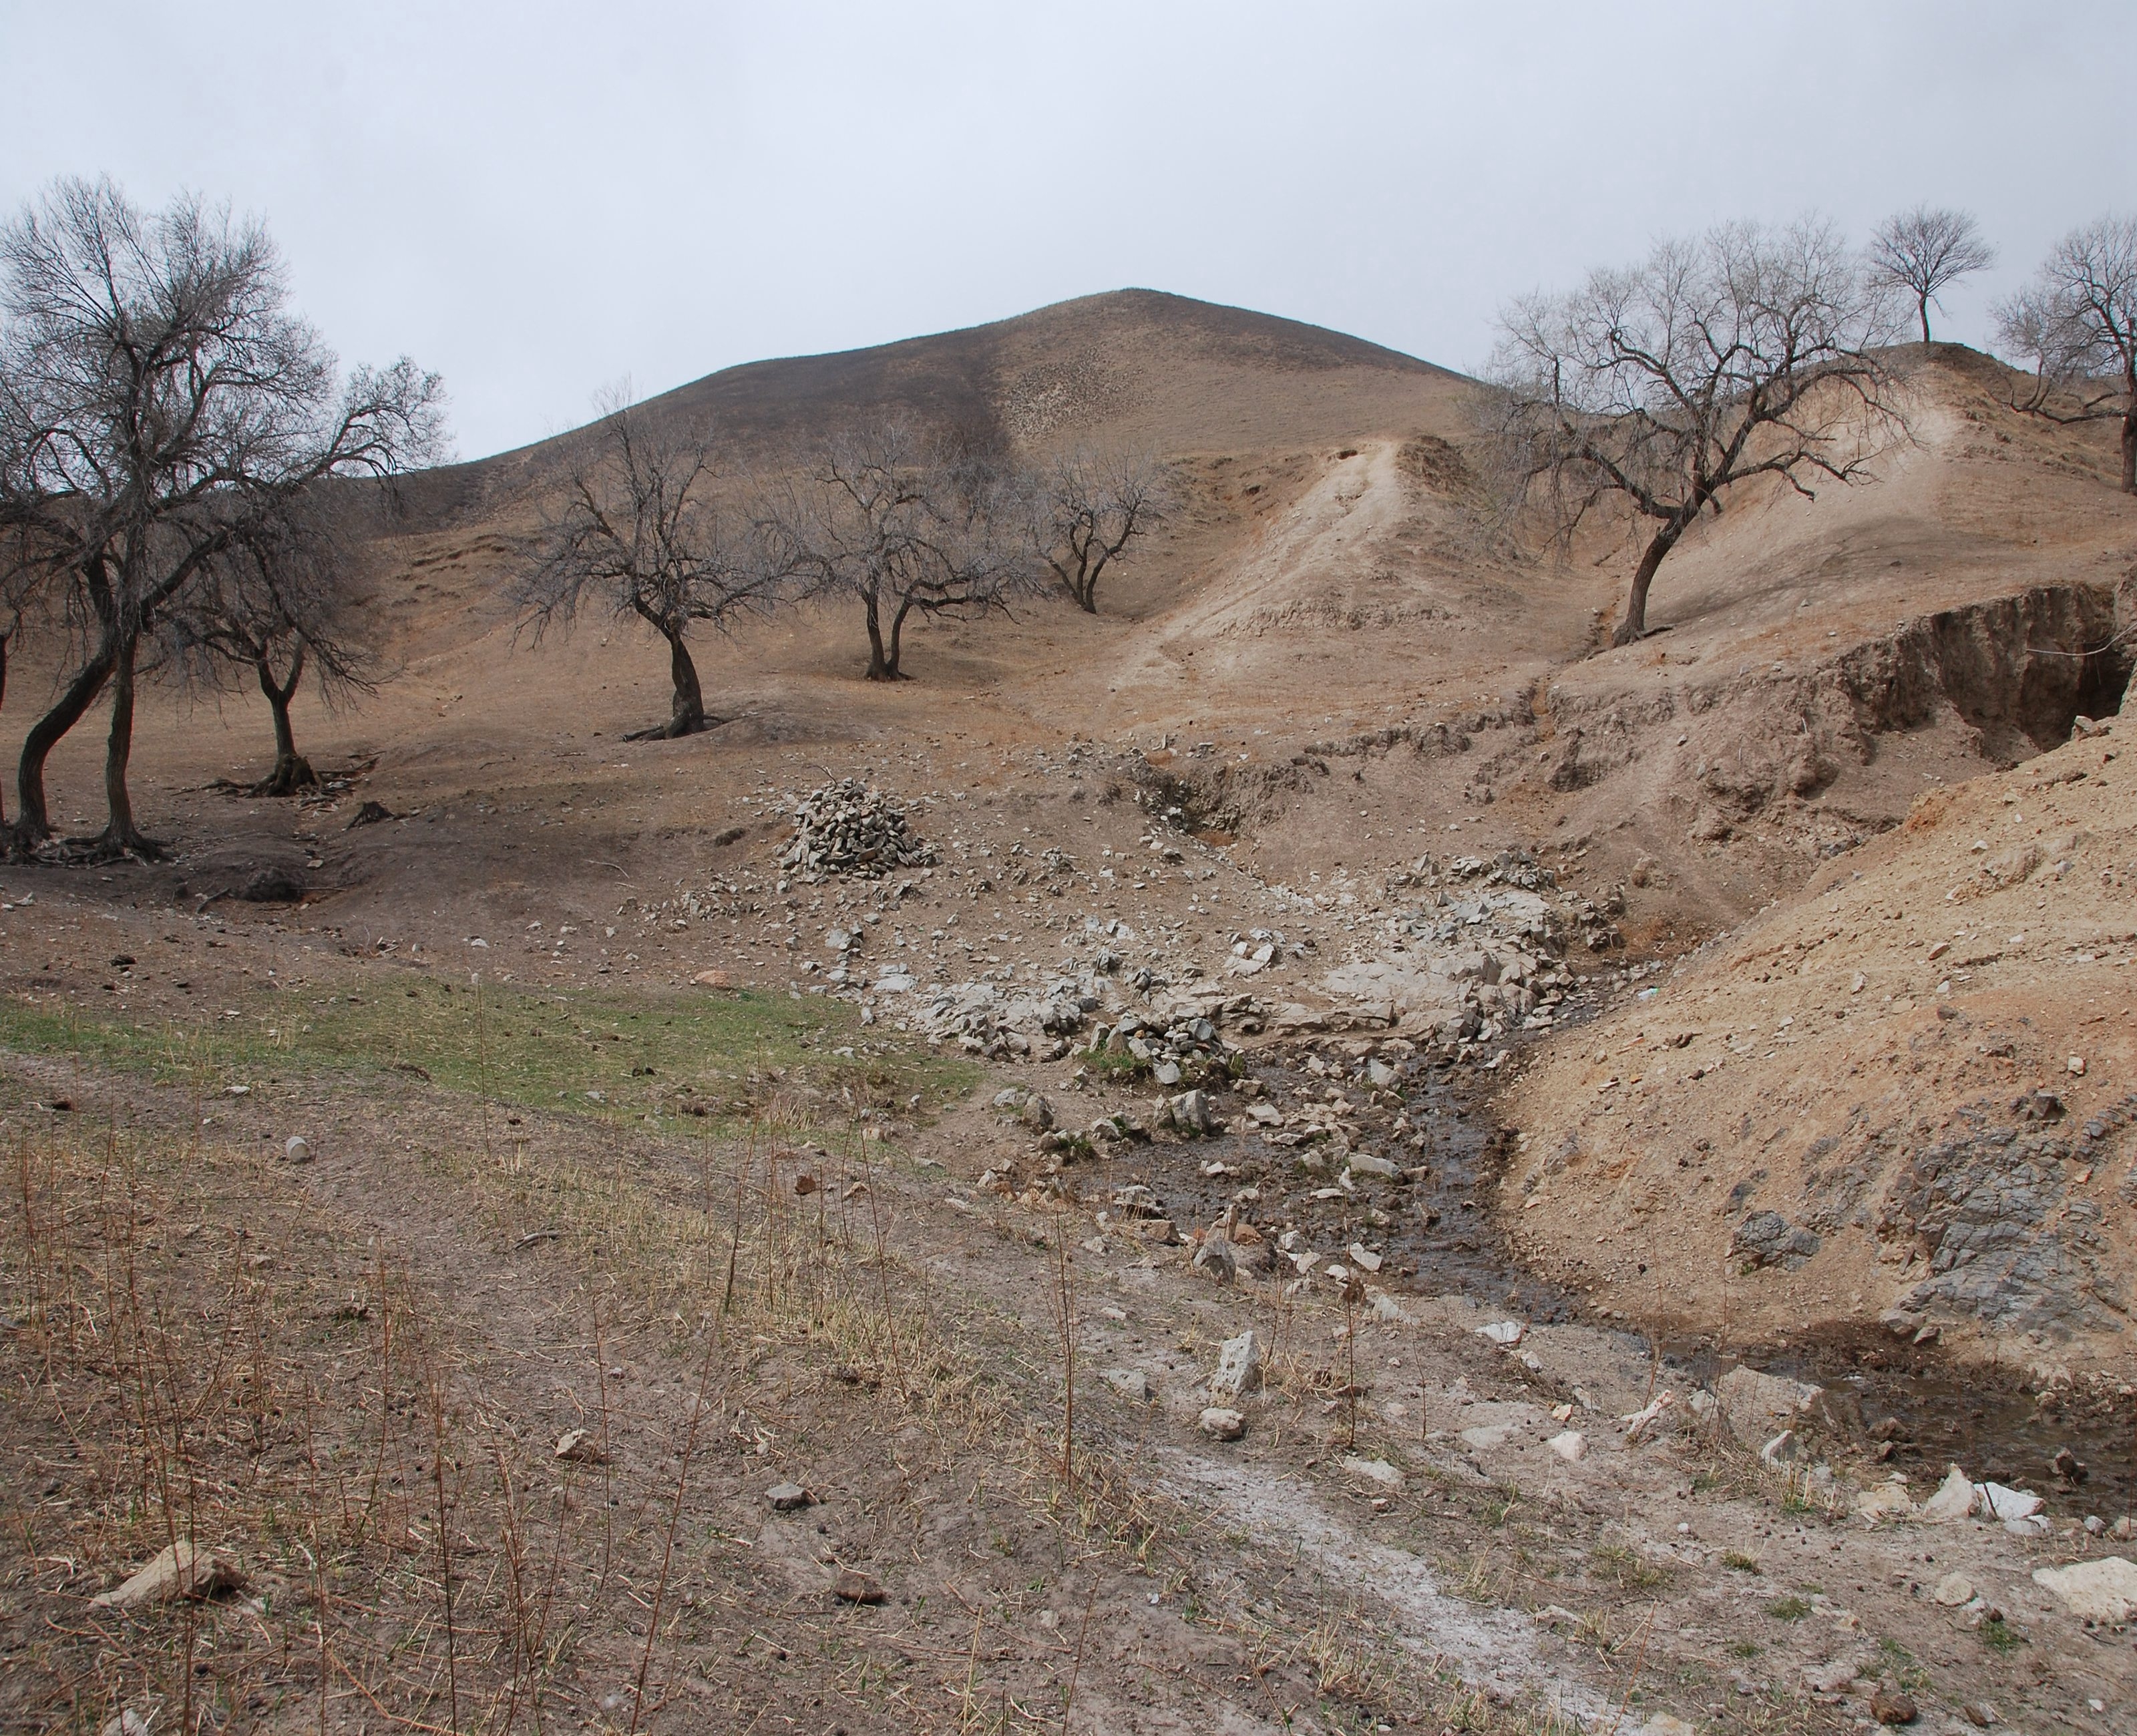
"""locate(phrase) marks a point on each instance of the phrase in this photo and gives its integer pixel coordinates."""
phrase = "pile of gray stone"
(846, 828)
(1171, 1050)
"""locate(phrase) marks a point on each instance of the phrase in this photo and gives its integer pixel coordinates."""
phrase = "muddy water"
(1435, 1233)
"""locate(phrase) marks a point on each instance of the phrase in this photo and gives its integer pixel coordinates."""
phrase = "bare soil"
(563, 1044)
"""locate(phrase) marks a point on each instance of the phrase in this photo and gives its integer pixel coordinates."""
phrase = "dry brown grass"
(197, 1352)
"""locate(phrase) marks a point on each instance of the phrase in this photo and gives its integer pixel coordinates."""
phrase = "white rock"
(1955, 1589)
(1220, 1424)
(1364, 1163)
(1239, 1367)
(1373, 1471)
(1953, 1501)
(1506, 1333)
(2104, 1590)
(1386, 1308)
(1664, 1723)
(1364, 1258)
(1570, 1446)
(1992, 1500)
(1756, 1406)
(1487, 1438)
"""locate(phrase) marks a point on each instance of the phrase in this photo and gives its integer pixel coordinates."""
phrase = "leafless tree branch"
(1743, 353)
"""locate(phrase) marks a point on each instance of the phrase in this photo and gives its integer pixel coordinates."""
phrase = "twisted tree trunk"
(292, 770)
(33, 823)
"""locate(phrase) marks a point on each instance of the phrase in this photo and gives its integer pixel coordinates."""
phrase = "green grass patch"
(2000, 1636)
(1741, 1563)
(682, 1057)
(1791, 1608)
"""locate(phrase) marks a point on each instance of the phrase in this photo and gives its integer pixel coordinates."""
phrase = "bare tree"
(274, 605)
(1085, 509)
(155, 397)
(2077, 323)
(1916, 253)
(638, 534)
(905, 525)
(1741, 353)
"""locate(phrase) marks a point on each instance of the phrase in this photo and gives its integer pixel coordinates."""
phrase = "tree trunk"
(2129, 446)
(120, 835)
(1634, 626)
(33, 822)
(1087, 596)
(4, 638)
(1925, 320)
(880, 668)
(891, 670)
(292, 770)
(688, 716)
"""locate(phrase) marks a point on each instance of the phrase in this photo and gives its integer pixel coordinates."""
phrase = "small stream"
(1435, 1234)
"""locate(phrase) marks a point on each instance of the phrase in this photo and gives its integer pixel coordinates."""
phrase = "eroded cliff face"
(1905, 1095)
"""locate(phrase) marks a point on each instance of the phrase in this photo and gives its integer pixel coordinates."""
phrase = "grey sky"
(538, 199)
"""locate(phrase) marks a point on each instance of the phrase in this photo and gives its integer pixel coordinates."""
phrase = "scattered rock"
(853, 1586)
(1571, 1445)
(1756, 1406)
(1955, 1589)
(127, 1722)
(1837, 1676)
(179, 1570)
(1505, 1334)
(1220, 1424)
(1892, 1706)
(1131, 1384)
(1884, 1501)
(1953, 1501)
(1488, 1437)
(578, 1446)
(1664, 1723)
(787, 1497)
(1215, 1256)
(2104, 1590)
(1239, 1367)
(1992, 1500)
(1779, 1451)
(1373, 1471)
(1979, 1713)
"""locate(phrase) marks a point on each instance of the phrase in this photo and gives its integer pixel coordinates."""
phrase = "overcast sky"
(538, 200)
